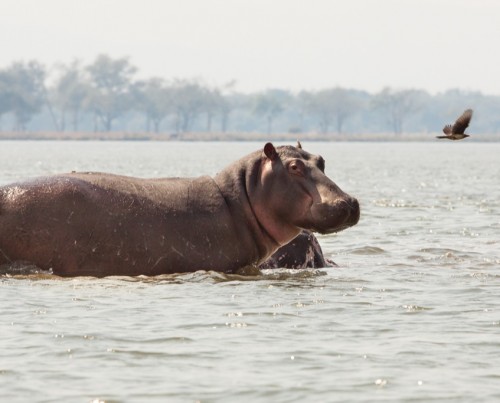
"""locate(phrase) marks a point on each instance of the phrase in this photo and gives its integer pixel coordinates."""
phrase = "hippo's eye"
(296, 168)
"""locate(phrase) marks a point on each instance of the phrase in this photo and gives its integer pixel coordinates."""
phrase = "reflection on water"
(410, 314)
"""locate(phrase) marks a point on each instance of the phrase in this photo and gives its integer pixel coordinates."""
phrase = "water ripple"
(410, 314)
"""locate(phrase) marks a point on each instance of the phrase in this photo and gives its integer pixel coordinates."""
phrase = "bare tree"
(110, 95)
(4, 93)
(303, 102)
(188, 101)
(154, 98)
(269, 104)
(398, 105)
(23, 91)
(331, 106)
(226, 103)
(69, 94)
(212, 99)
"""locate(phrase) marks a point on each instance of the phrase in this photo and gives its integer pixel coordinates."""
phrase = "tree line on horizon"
(106, 96)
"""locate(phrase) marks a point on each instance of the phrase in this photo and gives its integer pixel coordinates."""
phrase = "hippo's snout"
(353, 211)
(337, 216)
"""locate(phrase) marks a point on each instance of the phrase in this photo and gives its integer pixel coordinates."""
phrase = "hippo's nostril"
(353, 210)
(354, 204)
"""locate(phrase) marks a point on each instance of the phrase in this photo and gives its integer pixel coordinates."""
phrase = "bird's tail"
(441, 137)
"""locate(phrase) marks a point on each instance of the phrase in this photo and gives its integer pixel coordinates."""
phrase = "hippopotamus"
(101, 224)
(302, 252)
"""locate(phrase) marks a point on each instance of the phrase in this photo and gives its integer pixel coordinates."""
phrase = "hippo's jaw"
(329, 218)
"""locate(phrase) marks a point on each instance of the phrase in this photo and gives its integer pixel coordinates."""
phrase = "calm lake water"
(412, 313)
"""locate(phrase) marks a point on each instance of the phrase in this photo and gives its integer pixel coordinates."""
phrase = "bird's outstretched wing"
(447, 130)
(462, 122)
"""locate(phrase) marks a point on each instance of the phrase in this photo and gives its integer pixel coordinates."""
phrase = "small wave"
(438, 251)
(395, 203)
(253, 275)
(27, 271)
(287, 274)
(367, 250)
(446, 254)
(23, 269)
(415, 308)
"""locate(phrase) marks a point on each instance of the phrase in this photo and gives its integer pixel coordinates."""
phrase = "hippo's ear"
(299, 146)
(270, 152)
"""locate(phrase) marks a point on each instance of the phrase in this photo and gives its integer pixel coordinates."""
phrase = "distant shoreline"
(231, 136)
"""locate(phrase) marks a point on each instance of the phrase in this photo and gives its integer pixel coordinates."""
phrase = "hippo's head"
(293, 193)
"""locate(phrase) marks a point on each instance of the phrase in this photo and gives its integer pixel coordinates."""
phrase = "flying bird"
(456, 132)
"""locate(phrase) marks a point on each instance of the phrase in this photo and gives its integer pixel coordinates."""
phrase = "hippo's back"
(102, 224)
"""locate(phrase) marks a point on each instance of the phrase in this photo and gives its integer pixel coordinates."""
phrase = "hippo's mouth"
(328, 218)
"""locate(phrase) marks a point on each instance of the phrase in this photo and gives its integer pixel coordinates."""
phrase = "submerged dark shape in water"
(98, 224)
(302, 252)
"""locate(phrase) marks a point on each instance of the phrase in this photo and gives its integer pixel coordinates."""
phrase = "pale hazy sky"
(290, 44)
